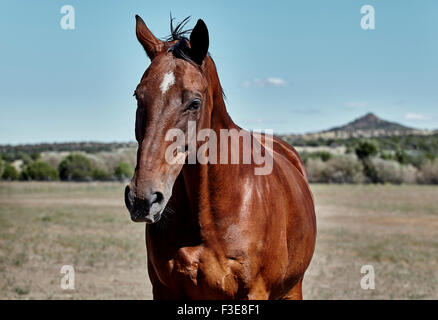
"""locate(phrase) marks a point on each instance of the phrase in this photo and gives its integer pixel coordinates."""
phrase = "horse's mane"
(180, 49)
(178, 32)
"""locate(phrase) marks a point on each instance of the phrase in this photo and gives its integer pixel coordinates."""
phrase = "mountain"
(371, 122)
(367, 126)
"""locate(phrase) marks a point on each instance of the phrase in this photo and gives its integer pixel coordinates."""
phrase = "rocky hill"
(366, 126)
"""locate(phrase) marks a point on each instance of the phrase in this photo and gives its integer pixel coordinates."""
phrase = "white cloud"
(416, 116)
(356, 104)
(276, 81)
(246, 84)
(271, 81)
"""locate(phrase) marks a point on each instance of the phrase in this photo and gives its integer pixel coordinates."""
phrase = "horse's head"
(173, 91)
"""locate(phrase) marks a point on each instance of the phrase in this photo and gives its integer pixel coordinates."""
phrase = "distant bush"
(389, 171)
(35, 156)
(429, 172)
(410, 174)
(76, 167)
(100, 174)
(25, 157)
(124, 171)
(1, 165)
(370, 171)
(317, 170)
(339, 169)
(346, 169)
(53, 159)
(366, 149)
(403, 157)
(386, 155)
(39, 170)
(323, 155)
(10, 173)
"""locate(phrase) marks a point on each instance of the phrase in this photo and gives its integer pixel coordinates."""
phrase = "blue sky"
(291, 66)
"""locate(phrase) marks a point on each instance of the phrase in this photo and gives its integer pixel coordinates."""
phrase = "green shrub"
(10, 173)
(323, 155)
(100, 174)
(366, 149)
(39, 170)
(76, 167)
(23, 156)
(124, 170)
(387, 155)
(35, 156)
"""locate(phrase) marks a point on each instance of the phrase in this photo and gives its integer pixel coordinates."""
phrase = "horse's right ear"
(151, 44)
(199, 42)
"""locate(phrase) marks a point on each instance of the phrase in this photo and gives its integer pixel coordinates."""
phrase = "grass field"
(44, 226)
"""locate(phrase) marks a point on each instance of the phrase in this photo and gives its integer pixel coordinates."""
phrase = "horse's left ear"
(199, 42)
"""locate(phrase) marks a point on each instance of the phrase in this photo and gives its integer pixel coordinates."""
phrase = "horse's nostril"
(157, 197)
(142, 206)
(128, 198)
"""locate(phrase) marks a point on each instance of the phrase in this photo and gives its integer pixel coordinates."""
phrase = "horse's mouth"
(141, 214)
(138, 216)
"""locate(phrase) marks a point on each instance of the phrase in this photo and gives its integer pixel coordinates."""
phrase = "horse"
(213, 230)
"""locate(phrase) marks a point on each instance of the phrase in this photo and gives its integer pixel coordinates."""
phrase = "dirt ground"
(44, 226)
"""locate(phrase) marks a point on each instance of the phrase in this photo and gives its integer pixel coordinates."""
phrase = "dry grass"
(392, 228)
(47, 225)
(44, 226)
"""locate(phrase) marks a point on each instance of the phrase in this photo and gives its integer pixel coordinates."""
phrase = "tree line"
(392, 159)
(74, 167)
(367, 162)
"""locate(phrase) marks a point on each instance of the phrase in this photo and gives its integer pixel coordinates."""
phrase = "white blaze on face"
(168, 81)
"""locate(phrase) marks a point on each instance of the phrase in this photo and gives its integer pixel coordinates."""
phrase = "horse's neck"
(203, 185)
(220, 118)
(201, 180)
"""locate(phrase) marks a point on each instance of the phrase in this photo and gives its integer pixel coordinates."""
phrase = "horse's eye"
(194, 104)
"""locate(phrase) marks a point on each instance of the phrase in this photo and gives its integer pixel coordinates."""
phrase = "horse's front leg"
(296, 293)
(159, 290)
(258, 291)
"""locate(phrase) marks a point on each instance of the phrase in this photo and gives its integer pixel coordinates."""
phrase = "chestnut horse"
(213, 231)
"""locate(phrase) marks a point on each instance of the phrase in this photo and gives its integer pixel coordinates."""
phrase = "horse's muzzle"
(146, 209)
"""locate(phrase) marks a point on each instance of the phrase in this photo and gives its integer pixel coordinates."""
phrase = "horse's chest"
(202, 275)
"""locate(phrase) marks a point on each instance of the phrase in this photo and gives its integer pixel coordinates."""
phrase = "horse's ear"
(199, 42)
(151, 44)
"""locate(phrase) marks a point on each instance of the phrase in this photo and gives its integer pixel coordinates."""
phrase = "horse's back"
(289, 152)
